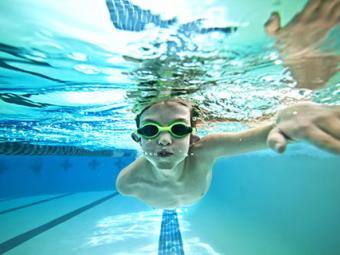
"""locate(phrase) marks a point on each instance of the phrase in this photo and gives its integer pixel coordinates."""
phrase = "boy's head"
(165, 113)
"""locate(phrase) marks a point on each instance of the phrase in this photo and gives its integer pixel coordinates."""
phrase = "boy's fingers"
(321, 139)
(331, 127)
(273, 24)
(276, 140)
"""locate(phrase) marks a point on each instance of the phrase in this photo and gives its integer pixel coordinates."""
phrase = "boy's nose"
(164, 138)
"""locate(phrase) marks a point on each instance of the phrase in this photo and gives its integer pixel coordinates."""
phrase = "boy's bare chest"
(188, 189)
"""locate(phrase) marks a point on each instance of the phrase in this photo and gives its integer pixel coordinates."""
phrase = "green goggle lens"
(181, 130)
(152, 130)
(148, 130)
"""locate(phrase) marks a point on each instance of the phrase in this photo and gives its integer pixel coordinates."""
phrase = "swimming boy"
(176, 167)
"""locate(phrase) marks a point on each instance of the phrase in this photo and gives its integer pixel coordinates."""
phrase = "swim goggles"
(151, 130)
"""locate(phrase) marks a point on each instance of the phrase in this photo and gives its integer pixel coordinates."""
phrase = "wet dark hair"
(194, 110)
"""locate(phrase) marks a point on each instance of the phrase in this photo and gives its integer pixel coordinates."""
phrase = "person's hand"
(300, 40)
(317, 124)
(307, 27)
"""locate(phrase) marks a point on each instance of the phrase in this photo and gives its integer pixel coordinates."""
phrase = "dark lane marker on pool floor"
(15, 241)
(34, 203)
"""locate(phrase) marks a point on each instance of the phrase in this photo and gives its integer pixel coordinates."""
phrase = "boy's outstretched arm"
(314, 123)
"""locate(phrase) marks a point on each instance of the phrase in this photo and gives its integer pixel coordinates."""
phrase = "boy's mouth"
(164, 154)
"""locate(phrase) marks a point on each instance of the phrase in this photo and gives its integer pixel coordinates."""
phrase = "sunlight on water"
(142, 238)
(64, 65)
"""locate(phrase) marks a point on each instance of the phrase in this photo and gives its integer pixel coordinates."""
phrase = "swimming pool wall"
(36, 175)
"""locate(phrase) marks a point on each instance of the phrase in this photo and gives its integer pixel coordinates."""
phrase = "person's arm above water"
(300, 41)
(314, 123)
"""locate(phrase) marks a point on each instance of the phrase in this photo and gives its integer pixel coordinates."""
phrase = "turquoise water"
(65, 68)
(69, 77)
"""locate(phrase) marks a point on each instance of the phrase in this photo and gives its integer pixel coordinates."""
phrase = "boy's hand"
(317, 124)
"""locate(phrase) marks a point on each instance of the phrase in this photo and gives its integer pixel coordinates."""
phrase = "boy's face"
(165, 113)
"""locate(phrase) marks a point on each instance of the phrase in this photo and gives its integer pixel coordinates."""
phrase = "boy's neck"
(173, 174)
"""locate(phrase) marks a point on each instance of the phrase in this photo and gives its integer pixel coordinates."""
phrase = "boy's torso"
(188, 189)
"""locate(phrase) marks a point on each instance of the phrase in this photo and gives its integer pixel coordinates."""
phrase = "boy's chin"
(163, 165)
(166, 163)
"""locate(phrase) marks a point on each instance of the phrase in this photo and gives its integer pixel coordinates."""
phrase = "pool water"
(259, 203)
(72, 75)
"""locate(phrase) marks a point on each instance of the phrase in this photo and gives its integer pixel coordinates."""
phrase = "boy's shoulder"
(129, 177)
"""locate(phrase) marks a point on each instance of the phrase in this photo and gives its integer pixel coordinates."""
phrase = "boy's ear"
(135, 137)
(194, 139)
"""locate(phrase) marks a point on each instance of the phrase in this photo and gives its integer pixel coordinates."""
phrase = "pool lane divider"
(19, 239)
(35, 203)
